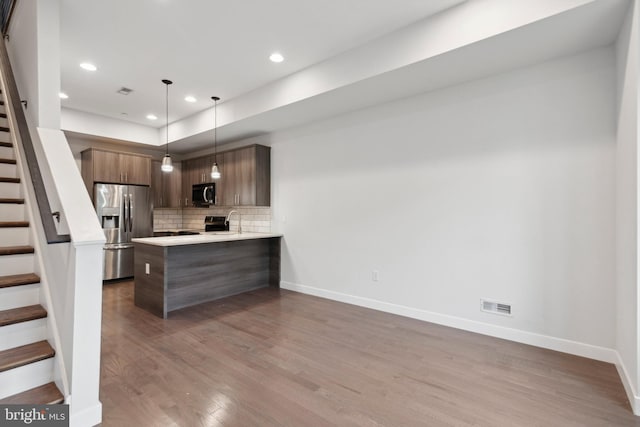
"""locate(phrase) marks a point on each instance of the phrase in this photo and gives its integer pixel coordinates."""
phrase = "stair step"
(8, 161)
(47, 394)
(22, 314)
(3, 115)
(4, 128)
(18, 280)
(15, 250)
(8, 179)
(13, 224)
(12, 201)
(5, 144)
(24, 355)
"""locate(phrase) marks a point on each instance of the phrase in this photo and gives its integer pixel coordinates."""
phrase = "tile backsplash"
(255, 219)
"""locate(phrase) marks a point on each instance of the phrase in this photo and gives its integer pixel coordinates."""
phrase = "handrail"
(6, 12)
(23, 135)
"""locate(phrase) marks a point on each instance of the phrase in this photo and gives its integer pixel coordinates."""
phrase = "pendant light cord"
(167, 83)
(215, 128)
(167, 116)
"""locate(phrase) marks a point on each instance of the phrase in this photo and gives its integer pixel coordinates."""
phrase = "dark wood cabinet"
(115, 168)
(194, 171)
(246, 176)
(245, 180)
(166, 187)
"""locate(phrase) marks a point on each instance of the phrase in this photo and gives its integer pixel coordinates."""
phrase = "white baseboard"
(552, 343)
(87, 417)
(632, 395)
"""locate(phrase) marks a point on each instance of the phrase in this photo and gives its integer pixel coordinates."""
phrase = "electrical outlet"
(375, 275)
(147, 268)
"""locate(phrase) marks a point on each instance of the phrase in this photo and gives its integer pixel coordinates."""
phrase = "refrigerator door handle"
(130, 216)
(124, 212)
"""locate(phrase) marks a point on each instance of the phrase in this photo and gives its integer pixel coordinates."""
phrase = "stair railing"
(12, 97)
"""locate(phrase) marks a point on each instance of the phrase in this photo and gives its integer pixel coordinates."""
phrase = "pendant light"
(215, 172)
(167, 165)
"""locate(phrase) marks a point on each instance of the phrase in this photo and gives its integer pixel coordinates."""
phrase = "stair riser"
(23, 333)
(9, 190)
(14, 236)
(5, 136)
(11, 212)
(26, 377)
(7, 153)
(4, 122)
(9, 171)
(16, 264)
(19, 296)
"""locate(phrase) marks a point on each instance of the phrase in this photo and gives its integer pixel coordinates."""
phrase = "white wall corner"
(632, 395)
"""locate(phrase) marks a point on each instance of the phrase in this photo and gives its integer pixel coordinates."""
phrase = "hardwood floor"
(278, 358)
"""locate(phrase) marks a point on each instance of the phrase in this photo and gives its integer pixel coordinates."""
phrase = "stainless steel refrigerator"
(124, 212)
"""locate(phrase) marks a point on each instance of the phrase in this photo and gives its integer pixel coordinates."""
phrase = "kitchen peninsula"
(180, 271)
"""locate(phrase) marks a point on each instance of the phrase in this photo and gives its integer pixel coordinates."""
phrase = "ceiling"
(207, 47)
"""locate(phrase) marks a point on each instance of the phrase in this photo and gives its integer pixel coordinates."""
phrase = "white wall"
(34, 51)
(500, 188)
(627, 205)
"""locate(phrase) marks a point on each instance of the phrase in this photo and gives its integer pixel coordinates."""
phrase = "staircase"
(26, 357)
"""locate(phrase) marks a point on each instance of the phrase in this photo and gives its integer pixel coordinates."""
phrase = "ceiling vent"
(495, 307)
(125, 91)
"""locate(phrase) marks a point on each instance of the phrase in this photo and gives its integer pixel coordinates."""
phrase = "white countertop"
(205, 237)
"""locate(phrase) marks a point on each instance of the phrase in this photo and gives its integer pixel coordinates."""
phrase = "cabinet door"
(157, 185)
(172, 186)
(203, 167)
(228, 193)
(136, 169)
(187, 183)
(220, 201)
(106, 167)
(245, 176)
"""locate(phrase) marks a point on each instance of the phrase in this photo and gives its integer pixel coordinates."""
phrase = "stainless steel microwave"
(204, 195)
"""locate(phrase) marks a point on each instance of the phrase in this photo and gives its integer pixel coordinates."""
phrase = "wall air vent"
(125, 91)
(495, 307)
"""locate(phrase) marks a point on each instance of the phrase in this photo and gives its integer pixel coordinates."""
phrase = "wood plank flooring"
(277, 358)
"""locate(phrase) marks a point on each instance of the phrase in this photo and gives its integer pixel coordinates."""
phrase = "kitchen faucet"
(239, 220)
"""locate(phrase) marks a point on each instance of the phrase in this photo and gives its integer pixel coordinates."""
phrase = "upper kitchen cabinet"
(246, 177)
(194, 171)
(115, 168)
(166, 187)
(245, 180)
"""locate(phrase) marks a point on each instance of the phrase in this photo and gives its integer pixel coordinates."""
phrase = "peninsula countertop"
(204, 237)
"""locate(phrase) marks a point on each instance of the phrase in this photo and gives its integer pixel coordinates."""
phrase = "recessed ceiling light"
(190, 99)
(88, 66)
(152, 117)
(276, 57)
(63, 95)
